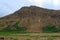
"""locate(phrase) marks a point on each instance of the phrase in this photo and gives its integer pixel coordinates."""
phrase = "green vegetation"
(14, 28)
(28, 39)
(50, 29)
(13, 38)
(1, 24)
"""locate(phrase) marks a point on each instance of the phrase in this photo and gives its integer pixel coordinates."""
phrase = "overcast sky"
(10, 6)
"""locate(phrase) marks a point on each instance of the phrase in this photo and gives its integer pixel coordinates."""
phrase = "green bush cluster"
(51, 28)
(28, 39)
(14, 27)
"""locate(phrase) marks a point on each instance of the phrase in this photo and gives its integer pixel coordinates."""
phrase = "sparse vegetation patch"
(50, 29)
(14, 28)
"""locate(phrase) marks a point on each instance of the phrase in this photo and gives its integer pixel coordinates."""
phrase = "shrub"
(50, 28)
(28, 39)
(14, 27)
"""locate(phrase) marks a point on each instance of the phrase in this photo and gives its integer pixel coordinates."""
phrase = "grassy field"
(31, 36)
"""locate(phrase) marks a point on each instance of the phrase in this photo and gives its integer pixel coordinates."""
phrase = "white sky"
(55, 3)
(9, 6)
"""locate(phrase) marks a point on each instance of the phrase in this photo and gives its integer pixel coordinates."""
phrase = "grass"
(25, 37)
(29, 36)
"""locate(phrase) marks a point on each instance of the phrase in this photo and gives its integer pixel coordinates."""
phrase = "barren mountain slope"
(33, 17)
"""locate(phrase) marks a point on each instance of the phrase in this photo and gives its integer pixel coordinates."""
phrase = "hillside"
(33, 18)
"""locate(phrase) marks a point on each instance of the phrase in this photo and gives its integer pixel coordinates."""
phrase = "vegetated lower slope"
(35, 19)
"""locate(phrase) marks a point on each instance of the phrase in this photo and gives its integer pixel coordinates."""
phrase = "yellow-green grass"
(32, 36)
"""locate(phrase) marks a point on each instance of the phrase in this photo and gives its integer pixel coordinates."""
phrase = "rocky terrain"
(33, 18)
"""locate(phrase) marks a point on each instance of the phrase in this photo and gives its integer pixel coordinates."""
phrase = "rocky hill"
(33, 18)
